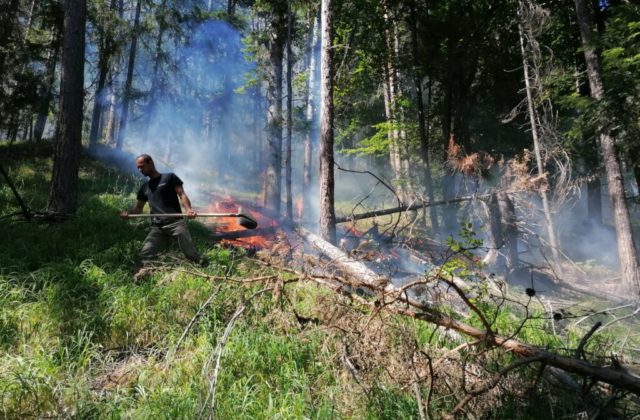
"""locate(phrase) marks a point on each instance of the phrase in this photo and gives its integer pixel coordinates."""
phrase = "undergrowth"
(79, 338)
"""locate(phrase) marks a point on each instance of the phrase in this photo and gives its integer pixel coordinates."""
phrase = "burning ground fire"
(370, 246)
(230, 232)
(400, 262)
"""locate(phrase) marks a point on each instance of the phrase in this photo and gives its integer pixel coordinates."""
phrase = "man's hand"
(191, 214)
(137, 209)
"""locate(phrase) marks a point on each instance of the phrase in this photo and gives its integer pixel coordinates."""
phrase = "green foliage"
(377, 144)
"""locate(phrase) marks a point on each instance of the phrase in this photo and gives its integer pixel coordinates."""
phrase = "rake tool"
(242, 219)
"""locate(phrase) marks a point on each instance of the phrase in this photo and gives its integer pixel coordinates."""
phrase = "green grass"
(79, 338)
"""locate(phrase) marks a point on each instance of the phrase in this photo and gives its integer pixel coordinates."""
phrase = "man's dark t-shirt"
(161, 194)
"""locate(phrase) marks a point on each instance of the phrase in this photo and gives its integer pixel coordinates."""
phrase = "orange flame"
(260, 240)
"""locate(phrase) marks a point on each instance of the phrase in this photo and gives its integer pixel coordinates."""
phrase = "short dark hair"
(146, 157)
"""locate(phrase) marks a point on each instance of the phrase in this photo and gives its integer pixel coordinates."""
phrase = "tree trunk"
(450, 212)
(104, 58)
(153, 91)
(64, 185)
(126, 94)
(17, 117)
(258, 126)
(287, 157)
(46, 93)
(310, 131)
(327, 210)
(7, 25)
(509, 232)
(422, 122)
(493, 231)
(403, 142)
(391, 98)
(449, 216)
(110, 125)
(626, 245)
(273, 183)
(594, 203)
(544, 192)
(231, 8)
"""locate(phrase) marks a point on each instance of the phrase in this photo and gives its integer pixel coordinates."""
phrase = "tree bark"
(493, 232)
(391, 88)
(594, 201)
(273, 182)
(327, 209)
(287, 157)
(110, 130)
(126, 94)
(544, 193)
(46, 93)
(626, 245)
(509, 232)
(422, 122)
(155, 80)
(104, 59)
(64, 185)
(7, 26)
(111, 126)
(310, 131)
(231, 8)
(341, 261)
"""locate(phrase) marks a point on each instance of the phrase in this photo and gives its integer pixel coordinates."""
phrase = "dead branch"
(623, 380)
(614, 377)
(583, 342)
(25, 210)
(220, 349)
(373, 175)
(603, 311)
(491, 383)
(613, 321)
(408, 307)
(352, 369)
(170, 354)
(404, 208)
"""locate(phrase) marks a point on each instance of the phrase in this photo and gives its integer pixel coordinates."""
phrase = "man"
(164, 193)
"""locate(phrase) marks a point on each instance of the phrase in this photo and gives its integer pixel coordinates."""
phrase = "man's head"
(145, 165)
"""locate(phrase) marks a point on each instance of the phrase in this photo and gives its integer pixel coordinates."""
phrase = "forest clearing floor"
(254, 335)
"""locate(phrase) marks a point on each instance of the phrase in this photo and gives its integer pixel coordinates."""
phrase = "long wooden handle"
(185, 215)
(242, 219)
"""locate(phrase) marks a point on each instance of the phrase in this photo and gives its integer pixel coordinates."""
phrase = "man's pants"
(160, 236)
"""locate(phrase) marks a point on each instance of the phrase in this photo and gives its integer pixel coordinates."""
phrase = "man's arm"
(137, 209)
(186, 203)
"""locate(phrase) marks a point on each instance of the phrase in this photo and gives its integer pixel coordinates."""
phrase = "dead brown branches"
(385, 298)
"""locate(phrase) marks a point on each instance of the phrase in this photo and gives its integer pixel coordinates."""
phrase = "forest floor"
(253, 336)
